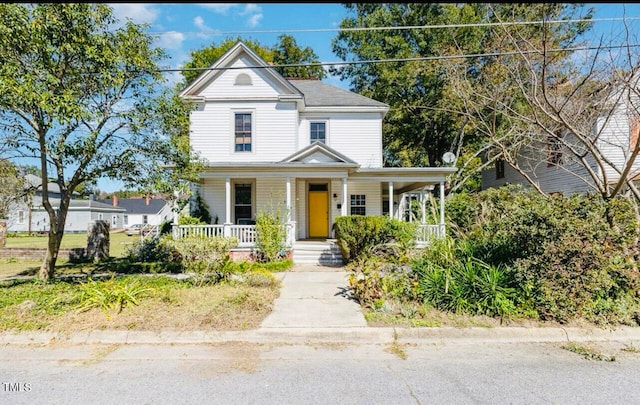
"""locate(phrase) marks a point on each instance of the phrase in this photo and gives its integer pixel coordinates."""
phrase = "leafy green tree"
(287, 52)
(424, 120)
(205, 57)
(79, 95)
(11, 186)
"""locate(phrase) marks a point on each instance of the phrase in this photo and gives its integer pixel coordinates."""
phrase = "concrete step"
(318, 252)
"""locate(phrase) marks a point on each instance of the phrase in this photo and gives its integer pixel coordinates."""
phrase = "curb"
(362, 335)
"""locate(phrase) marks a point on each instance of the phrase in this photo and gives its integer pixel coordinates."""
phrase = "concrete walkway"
(315, 299)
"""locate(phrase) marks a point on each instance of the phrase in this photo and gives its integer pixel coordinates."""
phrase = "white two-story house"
(310, 149)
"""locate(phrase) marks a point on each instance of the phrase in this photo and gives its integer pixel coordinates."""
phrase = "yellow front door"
(318, 214)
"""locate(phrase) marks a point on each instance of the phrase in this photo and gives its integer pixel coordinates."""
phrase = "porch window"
(358, 204)
(242, 205)
(318, 132)
(243, 132)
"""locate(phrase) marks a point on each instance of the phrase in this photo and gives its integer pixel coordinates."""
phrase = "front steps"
(322, 252)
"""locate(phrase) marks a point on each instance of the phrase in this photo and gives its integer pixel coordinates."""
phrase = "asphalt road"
(320, 373)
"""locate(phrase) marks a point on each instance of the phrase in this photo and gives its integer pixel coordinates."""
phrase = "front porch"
(246, 234)
(313, 187)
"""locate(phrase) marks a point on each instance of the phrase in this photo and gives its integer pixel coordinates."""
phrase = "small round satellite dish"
(448, 157)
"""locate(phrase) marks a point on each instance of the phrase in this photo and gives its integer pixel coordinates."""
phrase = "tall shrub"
(271, 235)
(357, 234)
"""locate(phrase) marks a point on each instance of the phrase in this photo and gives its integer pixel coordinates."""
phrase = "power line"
(422, 58)
(407, 27)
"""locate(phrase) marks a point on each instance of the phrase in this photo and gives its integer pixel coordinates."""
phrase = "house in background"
(29, 215)
(308, 148)
(553, 167)
(145, 210)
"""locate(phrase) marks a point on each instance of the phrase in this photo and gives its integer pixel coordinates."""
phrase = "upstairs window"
(358, 204)
(243, 132)
(318, 132)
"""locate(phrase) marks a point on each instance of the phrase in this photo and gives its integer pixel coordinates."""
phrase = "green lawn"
(119, 242)
(9, 267)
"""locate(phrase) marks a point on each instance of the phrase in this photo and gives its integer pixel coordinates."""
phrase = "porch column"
(288, 187)
(424, 206)
(442, 208)
(390, 199)
(343, 208)
(227, 196)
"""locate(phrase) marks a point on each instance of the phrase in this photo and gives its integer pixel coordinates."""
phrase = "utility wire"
(422, 58)
(408, 27)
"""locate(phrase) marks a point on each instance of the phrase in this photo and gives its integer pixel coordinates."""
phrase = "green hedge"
(357, 234)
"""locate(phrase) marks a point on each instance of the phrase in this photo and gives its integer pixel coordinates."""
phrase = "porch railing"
(246, 234)
(425, 233)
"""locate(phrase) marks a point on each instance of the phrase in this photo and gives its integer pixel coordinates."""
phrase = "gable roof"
(319, 94)
(318, 148)
(233, 54)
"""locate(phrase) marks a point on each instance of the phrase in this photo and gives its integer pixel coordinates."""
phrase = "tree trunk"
(47, 269)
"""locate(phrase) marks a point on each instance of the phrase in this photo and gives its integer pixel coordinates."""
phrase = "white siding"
(271, 194)
(213, 193)
(224, 87)
(615, 143)
(373, 193)
(301, 203)
(273, 134)
(356, 135)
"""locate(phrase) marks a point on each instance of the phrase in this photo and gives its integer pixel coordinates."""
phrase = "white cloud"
(205, 30)
(138, 13)
(255, 14)
(221, 8)
(171, 40)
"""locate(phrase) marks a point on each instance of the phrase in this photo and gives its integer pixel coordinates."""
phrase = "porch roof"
(403, 176)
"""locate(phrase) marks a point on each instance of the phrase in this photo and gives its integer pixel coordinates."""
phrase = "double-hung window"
(243, 130)
(318, 132)
(358, 204)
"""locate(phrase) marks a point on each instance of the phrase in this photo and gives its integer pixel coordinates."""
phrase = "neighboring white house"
(309, 148)
(555, 170)
(143, 210)
(28, 215)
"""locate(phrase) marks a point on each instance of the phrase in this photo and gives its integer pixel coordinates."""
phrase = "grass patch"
(397, 349)
(247, 266)
(631, 349)
(587, 352)
(388, 313)
(166, 304)
(118, 241)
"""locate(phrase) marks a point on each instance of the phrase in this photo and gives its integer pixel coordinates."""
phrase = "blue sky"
(182, 28)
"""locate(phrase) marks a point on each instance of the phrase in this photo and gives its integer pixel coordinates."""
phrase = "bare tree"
(552, 110)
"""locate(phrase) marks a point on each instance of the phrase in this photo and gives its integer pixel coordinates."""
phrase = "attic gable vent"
(243, 79)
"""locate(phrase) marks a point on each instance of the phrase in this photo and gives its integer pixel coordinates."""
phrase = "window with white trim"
(318, 132)
(125, 220)
(145, 219)
(243, 129)
(114, 221)
(358, 204)
(100, 217)
(21, 217)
